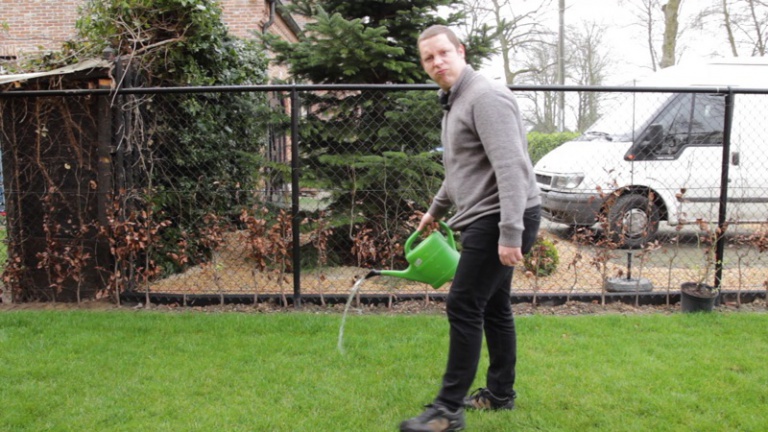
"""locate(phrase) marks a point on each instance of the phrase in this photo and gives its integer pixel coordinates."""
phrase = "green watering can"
(433, 261)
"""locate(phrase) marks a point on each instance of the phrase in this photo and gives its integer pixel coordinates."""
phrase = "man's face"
(442, 60)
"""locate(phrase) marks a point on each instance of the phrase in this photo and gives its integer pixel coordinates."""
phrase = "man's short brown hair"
(438, 29)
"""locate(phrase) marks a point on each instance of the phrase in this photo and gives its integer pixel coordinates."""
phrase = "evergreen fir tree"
(374, 150)
(368, 41)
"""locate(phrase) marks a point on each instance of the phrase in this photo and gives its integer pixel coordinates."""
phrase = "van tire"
(633, 221)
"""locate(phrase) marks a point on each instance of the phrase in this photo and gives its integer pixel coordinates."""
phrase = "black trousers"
(479, 301)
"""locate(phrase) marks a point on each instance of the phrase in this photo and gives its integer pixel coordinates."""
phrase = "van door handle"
(735, 158)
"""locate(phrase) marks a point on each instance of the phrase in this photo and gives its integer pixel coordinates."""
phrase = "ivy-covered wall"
(115, 169)
(28, 26)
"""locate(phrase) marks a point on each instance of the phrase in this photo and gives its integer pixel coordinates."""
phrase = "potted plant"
(698, 296)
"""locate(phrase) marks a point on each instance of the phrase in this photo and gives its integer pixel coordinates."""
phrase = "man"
(489, 181)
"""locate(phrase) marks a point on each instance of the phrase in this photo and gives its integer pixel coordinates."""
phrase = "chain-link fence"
(295, 192)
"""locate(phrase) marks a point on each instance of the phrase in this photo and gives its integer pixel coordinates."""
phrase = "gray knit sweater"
(485, 154)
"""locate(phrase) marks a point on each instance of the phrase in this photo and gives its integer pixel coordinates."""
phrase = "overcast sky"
(625, 38)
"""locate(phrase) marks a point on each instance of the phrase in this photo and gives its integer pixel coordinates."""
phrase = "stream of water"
(352, 293)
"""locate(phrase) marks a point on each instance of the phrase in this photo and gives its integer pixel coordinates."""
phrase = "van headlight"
(567, 181)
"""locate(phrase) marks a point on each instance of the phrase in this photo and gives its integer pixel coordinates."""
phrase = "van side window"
(690, 119)
(708, 120)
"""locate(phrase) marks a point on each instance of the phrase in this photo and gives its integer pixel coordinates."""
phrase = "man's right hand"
(426, 221)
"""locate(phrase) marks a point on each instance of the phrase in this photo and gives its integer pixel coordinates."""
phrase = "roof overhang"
(66, 70)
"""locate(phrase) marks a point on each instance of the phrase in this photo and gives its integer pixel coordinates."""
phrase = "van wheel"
(633, 221)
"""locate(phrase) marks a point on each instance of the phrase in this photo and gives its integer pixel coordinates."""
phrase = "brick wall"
(33, 24)
(246, 17)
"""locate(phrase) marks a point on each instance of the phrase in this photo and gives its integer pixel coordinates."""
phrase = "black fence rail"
(291, 193)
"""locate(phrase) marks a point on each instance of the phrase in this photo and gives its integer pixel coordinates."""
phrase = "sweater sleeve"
(500, 129)
(440, 204)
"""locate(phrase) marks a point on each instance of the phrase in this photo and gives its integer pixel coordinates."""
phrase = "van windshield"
(626, 117)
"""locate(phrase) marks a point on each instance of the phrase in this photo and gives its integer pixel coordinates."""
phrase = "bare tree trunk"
(649, 27)
(515, 31)
(729, 29)
(587, 65)
(644, 12)
(759, 43)
(561, 67)
(506, 48)
(671, 11)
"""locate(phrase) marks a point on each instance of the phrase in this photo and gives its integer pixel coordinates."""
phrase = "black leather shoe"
(483, 399)
(435, 419)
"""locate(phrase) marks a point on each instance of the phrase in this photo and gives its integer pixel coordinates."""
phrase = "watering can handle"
(415, 235)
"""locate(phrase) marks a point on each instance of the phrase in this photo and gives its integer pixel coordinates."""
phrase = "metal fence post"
(724, 173)
(295, 222)
(104, 151)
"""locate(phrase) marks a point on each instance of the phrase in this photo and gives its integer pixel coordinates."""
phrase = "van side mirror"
(649, 144)
(655, 137)
(735, 158)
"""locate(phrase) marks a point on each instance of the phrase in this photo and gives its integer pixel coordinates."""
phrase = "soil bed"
(580, 271)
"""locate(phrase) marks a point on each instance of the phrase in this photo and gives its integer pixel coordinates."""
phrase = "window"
(689, 119)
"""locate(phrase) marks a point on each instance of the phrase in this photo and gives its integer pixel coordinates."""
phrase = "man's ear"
(462, 51)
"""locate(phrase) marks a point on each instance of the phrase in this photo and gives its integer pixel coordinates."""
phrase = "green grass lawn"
(192, 371)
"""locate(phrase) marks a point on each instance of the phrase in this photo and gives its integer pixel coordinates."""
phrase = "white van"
(658, 156)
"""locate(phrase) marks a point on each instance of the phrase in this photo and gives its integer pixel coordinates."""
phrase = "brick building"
(28, 25)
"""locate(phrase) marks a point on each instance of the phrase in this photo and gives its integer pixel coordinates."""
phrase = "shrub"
(202, 154)
(542, 259)
(540, 144)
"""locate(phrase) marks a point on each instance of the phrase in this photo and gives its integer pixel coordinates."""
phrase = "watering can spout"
(412, 274)
(433, 261)
(402, 274)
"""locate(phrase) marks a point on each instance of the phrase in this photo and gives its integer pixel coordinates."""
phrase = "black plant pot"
(695, 297)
